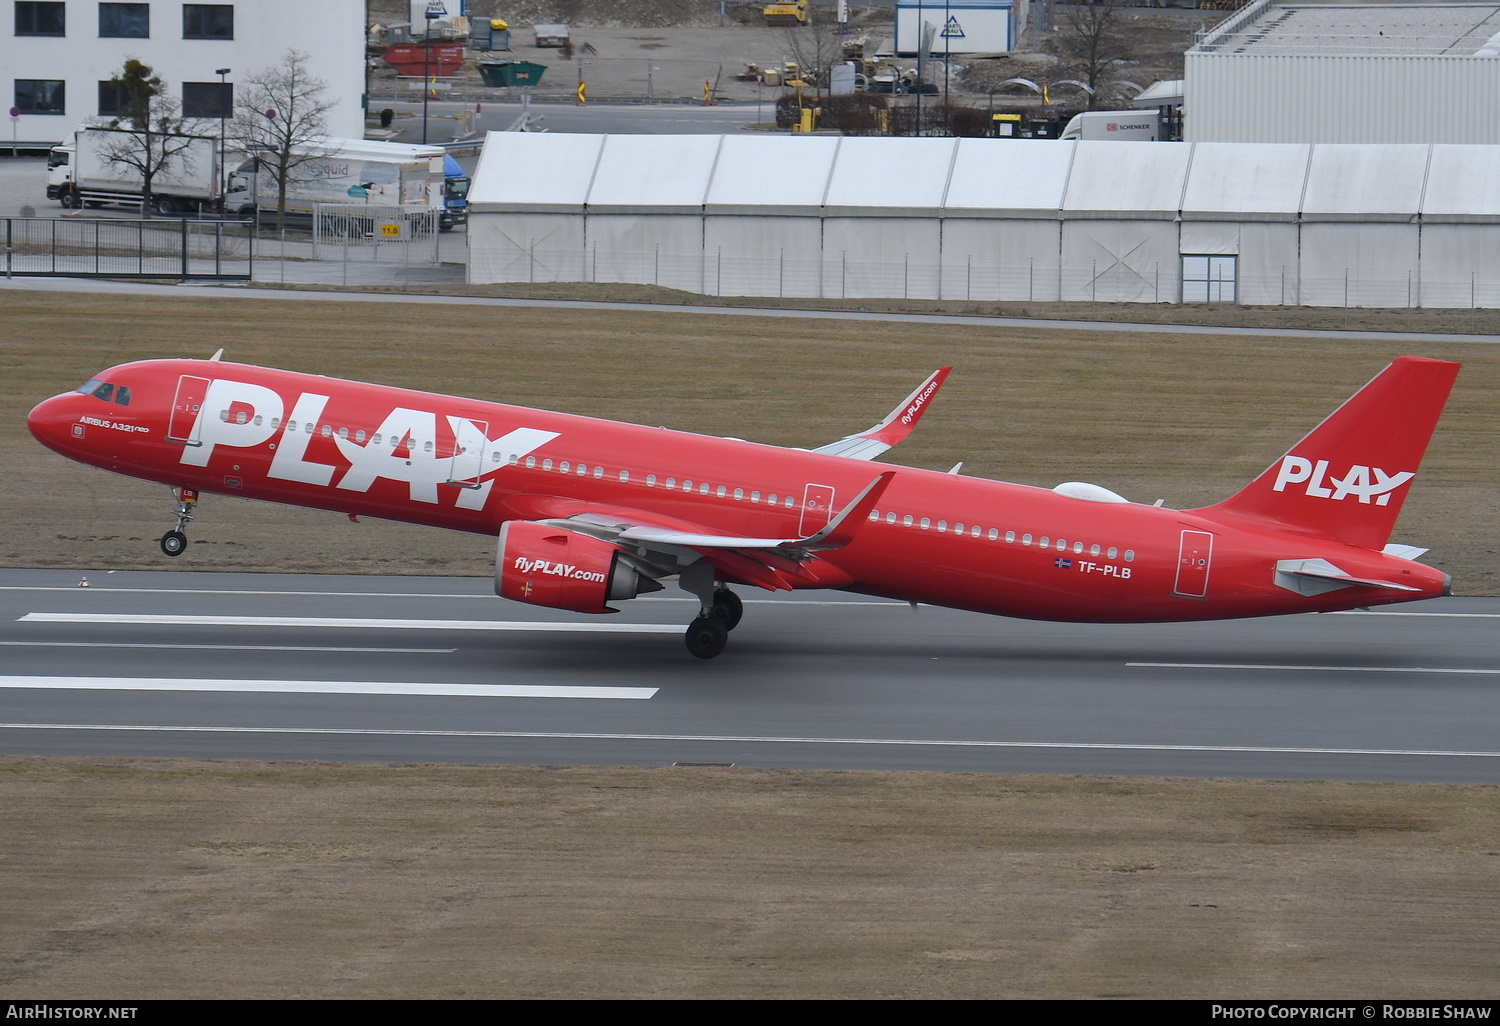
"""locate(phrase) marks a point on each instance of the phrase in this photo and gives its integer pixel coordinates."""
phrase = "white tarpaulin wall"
(758, 239)
(1461, 228)
(1002, 237)
(1359, 224)
(645, 209)
(1243, 201)
(992, 219)
(527, 247)
(1119, 239)
(881, 230)
(541, 183)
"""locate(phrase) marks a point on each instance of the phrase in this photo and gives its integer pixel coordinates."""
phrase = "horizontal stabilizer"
(1317, 576)
(868, 444)
(1404, 551)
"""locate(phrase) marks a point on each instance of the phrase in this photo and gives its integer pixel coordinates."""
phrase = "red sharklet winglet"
(896, 426)
(1347, 479)
(903, 419)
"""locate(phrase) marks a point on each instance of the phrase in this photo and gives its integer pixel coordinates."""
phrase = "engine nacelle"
(552, 566)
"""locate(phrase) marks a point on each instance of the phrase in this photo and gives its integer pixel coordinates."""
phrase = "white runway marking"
(175, 620)
(749, 739)
(1382, 612)
(1338, 669)
(328, 687)
(229, 648)
(484, 597)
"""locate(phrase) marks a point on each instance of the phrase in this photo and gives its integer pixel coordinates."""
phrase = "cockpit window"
(106, 391)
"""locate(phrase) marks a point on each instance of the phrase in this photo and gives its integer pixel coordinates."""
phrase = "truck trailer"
(1115, 126)
(80, 172)
(356, 172)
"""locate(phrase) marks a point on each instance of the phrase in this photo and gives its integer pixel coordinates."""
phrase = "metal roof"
(1365, 29)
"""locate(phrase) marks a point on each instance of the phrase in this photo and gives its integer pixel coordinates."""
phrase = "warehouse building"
(1368, 72)
(993, 219)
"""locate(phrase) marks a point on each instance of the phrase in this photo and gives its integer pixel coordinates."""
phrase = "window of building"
(124, 21)
(208, 21)
(41, 19)
(41, 96)
(207, 100)
(1208, 279)
(112, 102)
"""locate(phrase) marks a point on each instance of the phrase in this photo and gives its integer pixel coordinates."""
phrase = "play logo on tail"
(1347, 479)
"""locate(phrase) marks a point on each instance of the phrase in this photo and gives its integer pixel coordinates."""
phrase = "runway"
(440, 670)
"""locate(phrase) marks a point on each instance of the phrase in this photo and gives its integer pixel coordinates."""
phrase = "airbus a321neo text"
(590, 512)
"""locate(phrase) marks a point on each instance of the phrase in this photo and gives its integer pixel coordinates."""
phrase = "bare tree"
(283, 119)
(1090, 37)
(151, 137)
(814, 47)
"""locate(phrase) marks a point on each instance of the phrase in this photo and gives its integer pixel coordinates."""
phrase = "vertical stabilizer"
(1349, 477)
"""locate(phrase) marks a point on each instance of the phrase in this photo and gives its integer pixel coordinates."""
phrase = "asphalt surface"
(107, 286)
(437, 669)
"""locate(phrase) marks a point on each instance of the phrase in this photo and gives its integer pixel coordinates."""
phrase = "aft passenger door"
(1194, 559)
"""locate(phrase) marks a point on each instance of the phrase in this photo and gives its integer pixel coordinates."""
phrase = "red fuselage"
(469, 465)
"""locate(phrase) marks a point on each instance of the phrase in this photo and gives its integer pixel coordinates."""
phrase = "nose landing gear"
(174, 541)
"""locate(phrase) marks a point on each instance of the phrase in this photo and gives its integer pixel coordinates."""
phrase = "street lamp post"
(435, 9)
(223, 113)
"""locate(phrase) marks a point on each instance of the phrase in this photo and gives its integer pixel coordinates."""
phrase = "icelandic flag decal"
(1063, 564)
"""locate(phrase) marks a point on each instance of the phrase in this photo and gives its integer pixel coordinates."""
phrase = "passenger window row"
(1078, 548)
(654, 481)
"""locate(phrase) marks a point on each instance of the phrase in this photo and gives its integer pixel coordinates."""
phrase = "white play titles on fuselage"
(404, 448)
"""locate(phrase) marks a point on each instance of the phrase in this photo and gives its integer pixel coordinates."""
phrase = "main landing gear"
(719, 612)
(174, 541)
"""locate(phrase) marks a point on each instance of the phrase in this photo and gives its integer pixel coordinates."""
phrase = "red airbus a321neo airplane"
(589, 512)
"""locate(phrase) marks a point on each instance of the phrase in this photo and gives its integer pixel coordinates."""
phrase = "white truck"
(79, 172)
(353, 172)
(1115, 125)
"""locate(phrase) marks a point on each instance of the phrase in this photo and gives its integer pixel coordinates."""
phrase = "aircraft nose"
(51, 420)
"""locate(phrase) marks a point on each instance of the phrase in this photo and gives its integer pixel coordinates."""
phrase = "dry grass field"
(142, 879)
(138, 879)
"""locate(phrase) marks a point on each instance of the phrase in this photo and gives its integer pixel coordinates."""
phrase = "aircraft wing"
(868, 444)
(776, 564)
(838, 532)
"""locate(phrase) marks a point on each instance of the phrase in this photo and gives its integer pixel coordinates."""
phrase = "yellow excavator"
(786, 12)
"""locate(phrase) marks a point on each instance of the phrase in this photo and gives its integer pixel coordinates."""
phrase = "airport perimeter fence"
(375, 234)
(967, 278)
(181, 249)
